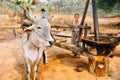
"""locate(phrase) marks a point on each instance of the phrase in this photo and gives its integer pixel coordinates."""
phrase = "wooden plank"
(13, 29)
(70, 47)
(60, 27)
(64, 34)
(81, 26)
(10, 27)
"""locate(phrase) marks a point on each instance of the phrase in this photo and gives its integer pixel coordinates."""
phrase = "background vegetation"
(63, 6)
(109, 6)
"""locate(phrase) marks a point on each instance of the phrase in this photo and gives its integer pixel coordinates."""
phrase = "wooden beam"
(10, 28)
(62, 36)
(13, 29)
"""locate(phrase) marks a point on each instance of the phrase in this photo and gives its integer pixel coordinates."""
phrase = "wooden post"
(98, 66)
(14, 32)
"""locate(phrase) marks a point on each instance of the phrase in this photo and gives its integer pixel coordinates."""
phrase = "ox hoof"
(26, 79)
(36, 78)
(45, 62)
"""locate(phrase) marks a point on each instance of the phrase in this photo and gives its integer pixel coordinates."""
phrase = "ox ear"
(29, 29)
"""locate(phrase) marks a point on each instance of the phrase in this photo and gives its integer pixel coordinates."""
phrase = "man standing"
(75, 30)
(44, 14)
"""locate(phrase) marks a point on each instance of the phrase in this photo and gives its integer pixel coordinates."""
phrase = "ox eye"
(39, 27)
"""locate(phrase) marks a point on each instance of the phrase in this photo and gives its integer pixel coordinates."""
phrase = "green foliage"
(109, 6)
(65, 6)
(24, 4)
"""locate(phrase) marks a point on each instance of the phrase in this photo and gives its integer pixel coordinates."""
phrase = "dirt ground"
(61, 64)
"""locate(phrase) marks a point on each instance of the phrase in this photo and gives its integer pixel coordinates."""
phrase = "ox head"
(41, 28)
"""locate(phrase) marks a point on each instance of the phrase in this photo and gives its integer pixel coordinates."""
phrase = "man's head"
(76, 16)
(42, 10)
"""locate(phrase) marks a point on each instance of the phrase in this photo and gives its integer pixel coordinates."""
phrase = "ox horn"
(27, 16)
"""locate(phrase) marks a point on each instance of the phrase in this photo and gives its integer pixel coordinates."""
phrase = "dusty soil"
(61, 65)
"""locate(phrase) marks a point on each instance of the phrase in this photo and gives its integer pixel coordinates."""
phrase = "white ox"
(35, 39)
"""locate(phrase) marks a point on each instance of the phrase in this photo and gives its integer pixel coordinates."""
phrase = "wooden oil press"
(104, 45)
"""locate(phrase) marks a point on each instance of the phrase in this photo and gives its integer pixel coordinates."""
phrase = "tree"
(109, 5)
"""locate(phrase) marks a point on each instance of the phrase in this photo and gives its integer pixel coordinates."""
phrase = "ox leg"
(37, 62)
(28, 69)
(45, 60)
(27, 63)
